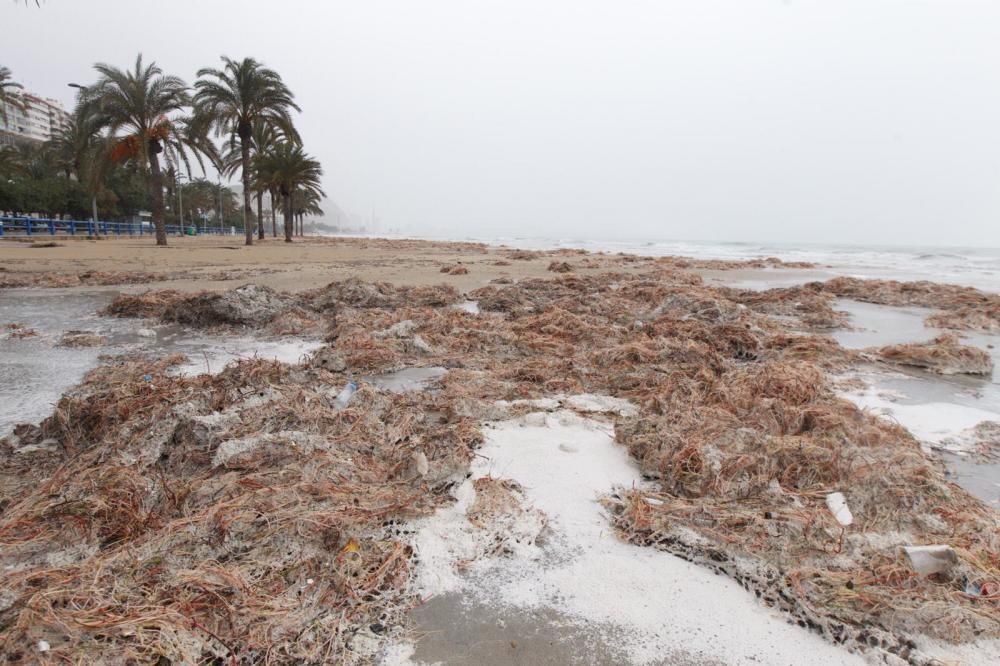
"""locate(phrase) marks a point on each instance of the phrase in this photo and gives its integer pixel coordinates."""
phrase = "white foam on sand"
(642, 601)
(209, 357)
(936, 424)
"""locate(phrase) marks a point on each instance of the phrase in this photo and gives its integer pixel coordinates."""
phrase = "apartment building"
(37, 119)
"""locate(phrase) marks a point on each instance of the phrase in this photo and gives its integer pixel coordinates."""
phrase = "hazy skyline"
(746, 120)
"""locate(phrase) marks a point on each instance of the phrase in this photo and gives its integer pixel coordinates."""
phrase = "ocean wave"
(939, 255)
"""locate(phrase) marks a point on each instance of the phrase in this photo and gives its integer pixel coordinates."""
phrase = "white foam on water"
(654, 602)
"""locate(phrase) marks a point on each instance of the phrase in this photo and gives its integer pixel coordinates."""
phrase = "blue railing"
(31, 226)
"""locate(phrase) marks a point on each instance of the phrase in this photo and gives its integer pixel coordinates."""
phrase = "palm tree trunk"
(156, 193)
(260, 215)
(289, 219)
(247, 209)
(274, 216)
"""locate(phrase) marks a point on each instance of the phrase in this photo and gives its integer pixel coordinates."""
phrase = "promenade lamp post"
(93, 195)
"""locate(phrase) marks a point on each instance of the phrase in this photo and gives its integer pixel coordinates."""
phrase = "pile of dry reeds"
(240, 518)
(944, 355)
(82, 339)
(18, 331)
(10, 279)
(244, 515)
(962, 308)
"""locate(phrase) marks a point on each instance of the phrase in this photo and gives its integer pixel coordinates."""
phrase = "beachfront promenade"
(33, 226)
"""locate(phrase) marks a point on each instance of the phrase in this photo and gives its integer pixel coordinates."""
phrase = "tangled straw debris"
(18, 331)
(982, 440)
(82, 339)
(961, 308)
(245, 516)
(560, 267)
(234, 517)
(944, 355)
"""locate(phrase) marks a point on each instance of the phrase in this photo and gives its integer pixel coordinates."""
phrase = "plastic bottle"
(345, 395)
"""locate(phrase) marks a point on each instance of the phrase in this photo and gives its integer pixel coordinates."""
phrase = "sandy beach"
(396, 451)
(192, 264)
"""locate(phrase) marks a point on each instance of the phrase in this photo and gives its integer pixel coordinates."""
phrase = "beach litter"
(838, 507)
(927, 560)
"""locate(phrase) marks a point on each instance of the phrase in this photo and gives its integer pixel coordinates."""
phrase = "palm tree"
(306, 201)
(264, 137)
(292, 170)
(10, 164)
(139, 109)
(236, 97)
(81, 152)
(7, 94)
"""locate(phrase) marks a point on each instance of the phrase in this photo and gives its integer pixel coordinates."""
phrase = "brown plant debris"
(944, 355)
(963, 308)
(18, 331)
(185, 518)
(240, 518)
(560, 267)
(982, 440)
(82, 339)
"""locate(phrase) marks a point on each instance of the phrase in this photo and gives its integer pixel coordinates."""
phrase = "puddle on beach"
(935, 408)
(761, 279)
(209, 356)
(407, 379)
(35, 372)
(608, 601)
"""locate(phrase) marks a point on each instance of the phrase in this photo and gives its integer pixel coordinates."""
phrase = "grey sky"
(849, 120)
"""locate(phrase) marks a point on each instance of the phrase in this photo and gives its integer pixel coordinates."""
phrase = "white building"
(37, 121)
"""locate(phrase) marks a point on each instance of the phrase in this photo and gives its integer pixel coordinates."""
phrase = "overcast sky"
(858, 121)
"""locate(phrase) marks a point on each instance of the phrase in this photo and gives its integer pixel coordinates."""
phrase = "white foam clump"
(212, 359)
(937, 424)
(589, 403)
(651, 603)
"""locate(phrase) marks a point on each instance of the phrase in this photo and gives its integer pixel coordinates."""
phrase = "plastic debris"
(344, 397)
(838, 507)
(43, 646)
(927, 560)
